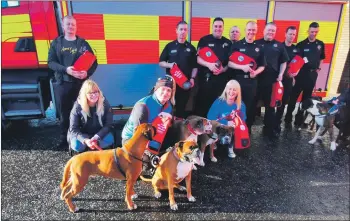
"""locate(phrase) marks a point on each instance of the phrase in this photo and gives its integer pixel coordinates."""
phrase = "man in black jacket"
(64, 51)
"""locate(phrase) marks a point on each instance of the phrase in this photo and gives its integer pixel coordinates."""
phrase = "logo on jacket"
(257, 49)
(173, 51)
(319, 47)
(188, 50)
(211, 45)
(224, 45)
(295, 50)
(275, 45)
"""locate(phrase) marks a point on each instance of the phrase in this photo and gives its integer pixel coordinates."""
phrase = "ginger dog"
(104, 163)
(175, 165)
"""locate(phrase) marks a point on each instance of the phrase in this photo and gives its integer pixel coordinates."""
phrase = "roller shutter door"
(128, 38)
(301, 14)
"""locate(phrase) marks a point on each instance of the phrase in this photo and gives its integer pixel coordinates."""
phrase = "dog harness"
(118, 163)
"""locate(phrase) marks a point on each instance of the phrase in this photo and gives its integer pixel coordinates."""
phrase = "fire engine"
(128, 38)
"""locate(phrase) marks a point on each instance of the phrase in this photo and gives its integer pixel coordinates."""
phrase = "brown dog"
(175, 165)
(105, 163)
(220, 133)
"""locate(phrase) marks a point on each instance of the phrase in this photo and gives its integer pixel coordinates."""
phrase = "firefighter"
(245, 74)
(288, 79)
(212, 77)
(313, 52)
(276, 59)
(64, 51)
(235, 34)
(183, 54)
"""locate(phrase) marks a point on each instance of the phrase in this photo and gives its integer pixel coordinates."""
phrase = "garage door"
(128, 38)
(233, 13)
(301, 15)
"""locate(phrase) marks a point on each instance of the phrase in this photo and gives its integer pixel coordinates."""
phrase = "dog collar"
(175, 154)
(191, 129)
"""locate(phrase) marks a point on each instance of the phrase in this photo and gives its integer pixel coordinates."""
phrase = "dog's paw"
(333, 146)
(75, 210)
(182, 188)
(191, 199)
(213, 159)
(135, 196)
(157, 195)
(194, 167)
(312, 141)
(132, 207)
(174, 207)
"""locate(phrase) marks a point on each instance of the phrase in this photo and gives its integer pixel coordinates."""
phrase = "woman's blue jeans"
(77, 146)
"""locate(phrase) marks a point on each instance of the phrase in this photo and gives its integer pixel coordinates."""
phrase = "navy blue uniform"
(211, 86)
(184, 55)
(305, 81)
(287, 82)
(248, 85)
(275, 54)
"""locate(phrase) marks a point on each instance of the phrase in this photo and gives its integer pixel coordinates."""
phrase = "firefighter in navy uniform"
(212, 77)
(313, 52)
(276, 59)
(245, 74)
(288, 79)
(184, 55)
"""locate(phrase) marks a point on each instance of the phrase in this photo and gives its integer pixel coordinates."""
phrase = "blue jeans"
(77, 146)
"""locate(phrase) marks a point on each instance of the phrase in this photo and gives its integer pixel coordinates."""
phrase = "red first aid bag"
(296, 63)
(84, 62)
(180, 78)
(209, 56)
(277, 94)
(242, 139)
(243, 59)
(161, 123)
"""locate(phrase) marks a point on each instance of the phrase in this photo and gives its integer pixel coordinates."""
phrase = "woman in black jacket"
(90, 119)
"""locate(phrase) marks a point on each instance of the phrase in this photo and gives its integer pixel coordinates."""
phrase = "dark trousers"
(208, 92)
(248, 90)
(287, 86)
(304, 82)
(65, 94)
(181, 99)
(264, 93)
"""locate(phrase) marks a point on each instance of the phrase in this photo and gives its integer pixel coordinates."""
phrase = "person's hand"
(212, 67)
(70, 70)
(95, 138)
(336, 101)
(279, 78)
(170, 65)
(192, 82)
(220, 70)
(246, 68)
(252, 73)
(88, 142)
(82, 74)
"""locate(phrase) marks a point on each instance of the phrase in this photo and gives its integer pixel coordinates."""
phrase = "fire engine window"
(7, 4)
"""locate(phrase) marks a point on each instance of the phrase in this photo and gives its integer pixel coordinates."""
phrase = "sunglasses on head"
(166, 77)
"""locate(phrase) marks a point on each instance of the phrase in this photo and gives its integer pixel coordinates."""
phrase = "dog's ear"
(199, 123)
(180, 145)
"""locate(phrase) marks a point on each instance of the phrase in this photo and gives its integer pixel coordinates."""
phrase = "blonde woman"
(229, 100)
(90, 119)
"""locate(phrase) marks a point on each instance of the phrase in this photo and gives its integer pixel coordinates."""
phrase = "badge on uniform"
(242, 49)
(295, 50)
(319, 47)
(188, 50)
(173, 51)
(224, 45)
(275, 45)
(257, 49)
(306, 49)
(211, 45)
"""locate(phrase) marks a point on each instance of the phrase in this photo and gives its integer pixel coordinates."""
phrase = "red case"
(209, 56)
(296, 63)
(277, 94)
(84, 62)
(179, 77)
(243, 59)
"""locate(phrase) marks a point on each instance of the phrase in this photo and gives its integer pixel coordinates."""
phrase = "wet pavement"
(284, 179)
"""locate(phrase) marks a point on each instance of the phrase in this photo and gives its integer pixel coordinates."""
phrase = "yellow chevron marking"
(131, 27)
(42, 49)
(15, 26)
(99, 48)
